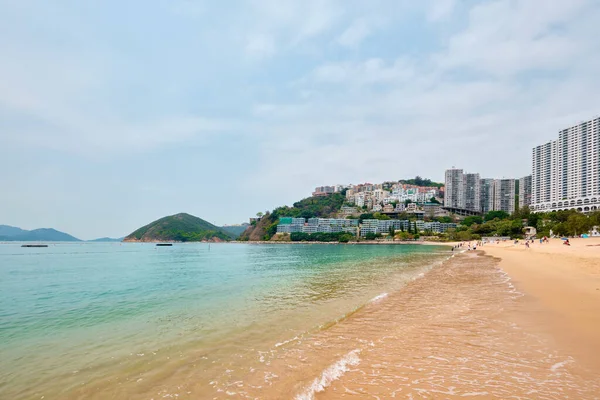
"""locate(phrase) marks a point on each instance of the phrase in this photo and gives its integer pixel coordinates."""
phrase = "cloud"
(504, 38)
(441, 9)
(371, 71)
(345, 91)
(355, 34)
(260, 46)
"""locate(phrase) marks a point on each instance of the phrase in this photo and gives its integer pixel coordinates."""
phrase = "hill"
(106, 239)
(319, 206)
(235, 230)
(13, 234)
(7, 230)
(179, 228)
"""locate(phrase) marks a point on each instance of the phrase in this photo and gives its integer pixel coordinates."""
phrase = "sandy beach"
(562, 292)
(505, 322)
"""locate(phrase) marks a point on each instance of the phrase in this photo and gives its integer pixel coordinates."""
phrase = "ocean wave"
(330, 374)
(378, 297)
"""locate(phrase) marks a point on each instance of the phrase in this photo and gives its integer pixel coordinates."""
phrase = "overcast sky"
(116, 113)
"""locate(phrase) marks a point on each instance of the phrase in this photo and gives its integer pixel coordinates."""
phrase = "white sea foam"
(287, 341)
(330, 374)
(378, 298)
(558, 365)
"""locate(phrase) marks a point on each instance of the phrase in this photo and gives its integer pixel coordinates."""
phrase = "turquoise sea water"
(78, 320)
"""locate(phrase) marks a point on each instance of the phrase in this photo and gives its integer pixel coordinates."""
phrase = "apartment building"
(486, 195)
(454, 188)
(566, 172)
(525, 191)
(472, 191)
(504, 195)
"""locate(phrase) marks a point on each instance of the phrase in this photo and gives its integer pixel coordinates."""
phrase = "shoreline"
(561, 286)
(462, 330)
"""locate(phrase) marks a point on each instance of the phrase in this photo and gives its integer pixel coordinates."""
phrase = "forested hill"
(322, 207)
(179, 228)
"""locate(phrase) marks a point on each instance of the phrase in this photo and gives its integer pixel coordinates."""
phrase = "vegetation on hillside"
(418, 181)
(342, 237)
(179, 228)
(235, 230)
(319, 206)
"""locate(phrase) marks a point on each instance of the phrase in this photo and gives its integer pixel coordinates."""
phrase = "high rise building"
(454, 189)
(525, 191)
(566, 172)
(472, 192)
(504, 195)
(487, 195)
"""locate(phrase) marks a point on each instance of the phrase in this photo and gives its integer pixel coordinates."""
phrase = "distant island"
(179, 228)
(106, 239)
(14, 234)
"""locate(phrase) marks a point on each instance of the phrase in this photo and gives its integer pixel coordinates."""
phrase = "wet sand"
(562, 287)
(465, 330)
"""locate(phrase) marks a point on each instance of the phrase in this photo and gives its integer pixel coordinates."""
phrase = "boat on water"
(34, 245)
(164, 244)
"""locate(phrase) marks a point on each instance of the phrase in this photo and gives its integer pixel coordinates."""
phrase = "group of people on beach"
(544, 239)
(469, 247)
(528, 242)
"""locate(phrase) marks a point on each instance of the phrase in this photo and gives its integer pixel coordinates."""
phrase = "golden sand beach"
(505, 322)
(562, 292)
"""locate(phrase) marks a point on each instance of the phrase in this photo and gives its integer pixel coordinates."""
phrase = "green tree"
(578, 223)
(381, 216)
(496, 214)
(468, 221)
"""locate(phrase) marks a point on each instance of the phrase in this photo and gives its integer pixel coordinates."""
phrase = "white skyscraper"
(472, 192)
(566, 172)
(454, 195)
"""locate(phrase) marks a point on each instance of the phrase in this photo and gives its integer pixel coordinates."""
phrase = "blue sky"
(116, 113)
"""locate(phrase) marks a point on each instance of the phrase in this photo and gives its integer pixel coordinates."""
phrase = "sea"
(136, 321)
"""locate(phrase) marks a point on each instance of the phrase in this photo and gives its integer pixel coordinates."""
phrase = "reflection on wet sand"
(447, 335)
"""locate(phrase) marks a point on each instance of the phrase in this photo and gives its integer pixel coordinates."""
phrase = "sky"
(116, 113)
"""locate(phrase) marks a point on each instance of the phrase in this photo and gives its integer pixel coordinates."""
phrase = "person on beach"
(527, 244)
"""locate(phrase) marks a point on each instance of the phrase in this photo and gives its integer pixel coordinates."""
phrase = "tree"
(392, 232)
(434, 200)
(381, 216)
(259, 214)
(472, 220)
(496, 214)
(577, 224)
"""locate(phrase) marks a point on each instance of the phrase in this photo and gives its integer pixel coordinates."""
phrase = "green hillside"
(320, 206)
(235, 230)
(178, 228)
